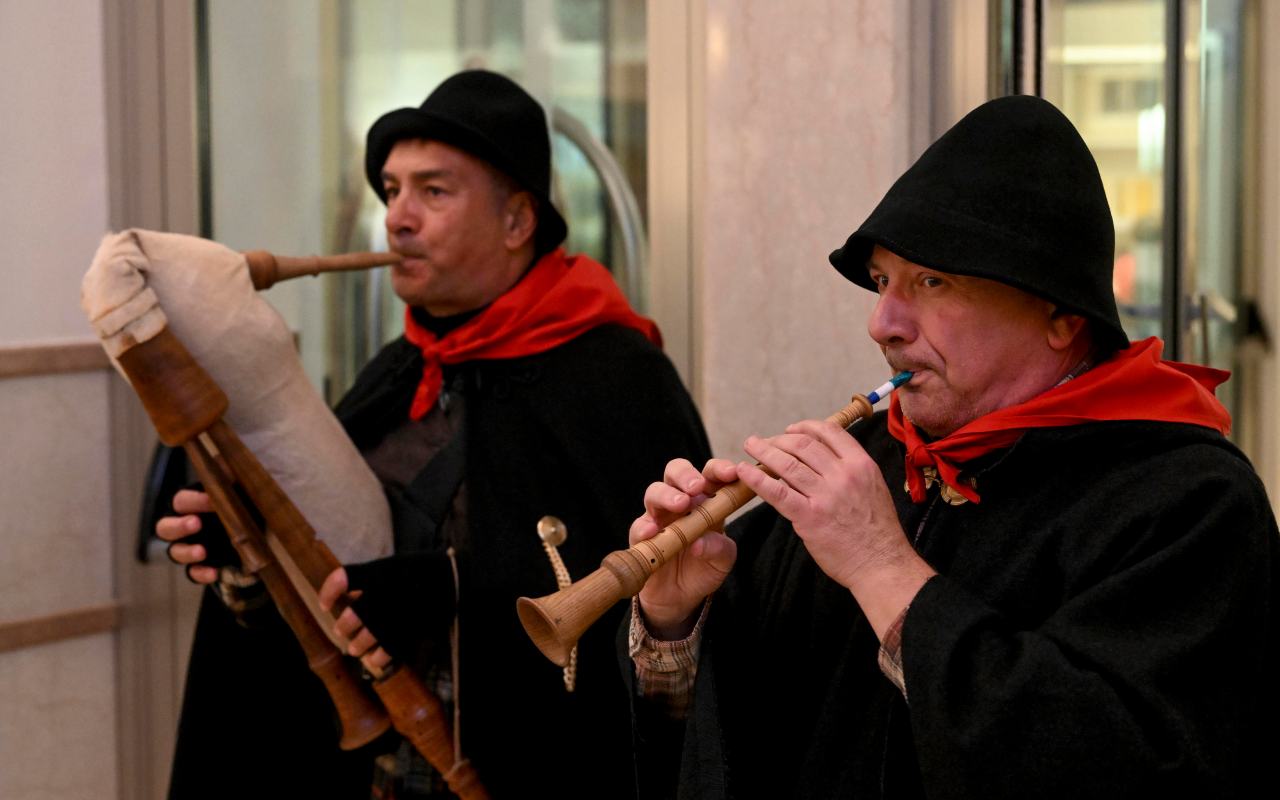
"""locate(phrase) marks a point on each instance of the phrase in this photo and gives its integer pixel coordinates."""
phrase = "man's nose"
(891, 321)
(400, 216)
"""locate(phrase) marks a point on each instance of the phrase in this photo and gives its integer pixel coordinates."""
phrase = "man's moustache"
(900, 364)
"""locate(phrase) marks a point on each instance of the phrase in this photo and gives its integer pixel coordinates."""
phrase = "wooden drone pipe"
(267, 269)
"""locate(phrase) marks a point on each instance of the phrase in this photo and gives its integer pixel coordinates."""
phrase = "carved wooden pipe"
(556, 622)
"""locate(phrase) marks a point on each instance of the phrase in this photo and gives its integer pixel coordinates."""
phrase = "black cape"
(578, 432)
(1104, 625)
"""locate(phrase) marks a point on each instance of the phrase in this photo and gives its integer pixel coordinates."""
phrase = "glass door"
(1155, 88)
(1214, 130)
(1104, 66)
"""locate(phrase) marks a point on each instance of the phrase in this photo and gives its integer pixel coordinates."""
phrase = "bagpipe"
(217, 371)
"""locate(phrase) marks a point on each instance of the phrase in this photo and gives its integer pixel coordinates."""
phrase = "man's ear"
(1066, 329)
(519, 220)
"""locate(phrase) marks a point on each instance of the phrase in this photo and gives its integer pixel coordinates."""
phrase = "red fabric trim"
(1134, 384)
(560, 298)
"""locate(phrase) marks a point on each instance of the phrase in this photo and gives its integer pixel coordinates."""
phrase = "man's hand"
(836, 499)
(360, 642)
(673, 595)
(188, 503)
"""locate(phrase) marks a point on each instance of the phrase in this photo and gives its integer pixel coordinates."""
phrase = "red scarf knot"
(558, 299)
(1134, 384)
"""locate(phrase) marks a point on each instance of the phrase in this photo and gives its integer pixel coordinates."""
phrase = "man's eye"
(880, 281)
(931, 281)
(390, 191)
(433, 191)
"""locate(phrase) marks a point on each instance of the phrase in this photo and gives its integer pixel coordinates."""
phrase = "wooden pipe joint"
(180, 397)
(631, 569)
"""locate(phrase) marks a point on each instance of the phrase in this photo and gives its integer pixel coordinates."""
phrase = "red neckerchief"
(1134, 384)
(559, 298)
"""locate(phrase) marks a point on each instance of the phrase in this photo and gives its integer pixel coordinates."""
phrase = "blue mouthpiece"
(882, 392)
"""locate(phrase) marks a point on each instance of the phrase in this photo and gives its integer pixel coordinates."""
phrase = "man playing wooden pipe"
(1043, 572)
(522, 378)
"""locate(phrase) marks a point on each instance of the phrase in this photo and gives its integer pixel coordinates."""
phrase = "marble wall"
(806, 121)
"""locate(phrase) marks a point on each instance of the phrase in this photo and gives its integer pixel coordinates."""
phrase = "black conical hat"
(1010, 193)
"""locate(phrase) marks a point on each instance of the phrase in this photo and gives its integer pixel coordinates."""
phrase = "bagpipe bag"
(142, 281)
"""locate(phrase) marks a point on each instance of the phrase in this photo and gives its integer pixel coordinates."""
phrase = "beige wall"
(53, 199)
(57, 727)
(98, 132)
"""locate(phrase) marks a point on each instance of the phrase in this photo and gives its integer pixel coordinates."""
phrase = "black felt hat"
(489, 116)
(1010, 193)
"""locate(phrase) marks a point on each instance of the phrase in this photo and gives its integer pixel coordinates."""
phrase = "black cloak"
(579, 432)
